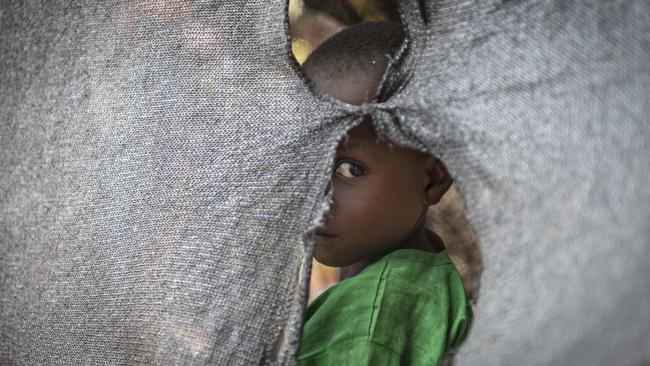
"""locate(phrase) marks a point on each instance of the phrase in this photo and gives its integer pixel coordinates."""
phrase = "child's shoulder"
(414, 273)
(411, 267)
(419, 256)
(401, 279)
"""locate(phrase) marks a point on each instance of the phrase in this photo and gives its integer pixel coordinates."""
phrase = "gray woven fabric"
(162, 165)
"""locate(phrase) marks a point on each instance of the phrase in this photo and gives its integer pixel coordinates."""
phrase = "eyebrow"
(351, 146)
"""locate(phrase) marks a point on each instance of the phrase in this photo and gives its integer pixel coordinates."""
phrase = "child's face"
(379, 195)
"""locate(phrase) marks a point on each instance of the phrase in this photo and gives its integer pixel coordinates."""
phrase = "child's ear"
(438, 180)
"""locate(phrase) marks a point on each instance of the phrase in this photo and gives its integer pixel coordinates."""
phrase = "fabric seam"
(373, 316)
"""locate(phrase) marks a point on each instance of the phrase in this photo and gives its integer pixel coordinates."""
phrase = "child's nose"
(327, 189)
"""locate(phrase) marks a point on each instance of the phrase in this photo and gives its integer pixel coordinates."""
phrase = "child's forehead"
(363, 138)
(351, 145)
(366, 142)
(360, 136)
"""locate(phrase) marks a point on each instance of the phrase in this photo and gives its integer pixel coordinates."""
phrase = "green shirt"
(407, 308)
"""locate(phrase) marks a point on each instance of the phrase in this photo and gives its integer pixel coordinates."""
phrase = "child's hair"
(361, 48)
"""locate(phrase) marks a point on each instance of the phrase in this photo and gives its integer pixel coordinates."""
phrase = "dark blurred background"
(313, 21)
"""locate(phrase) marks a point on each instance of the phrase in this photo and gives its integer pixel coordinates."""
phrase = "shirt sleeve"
(460, 313)
(359, 353)
(414, 314)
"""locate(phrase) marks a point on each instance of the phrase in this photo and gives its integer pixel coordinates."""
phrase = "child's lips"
(321, 235)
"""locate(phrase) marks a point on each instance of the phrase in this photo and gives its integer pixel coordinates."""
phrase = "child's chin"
(324, 256)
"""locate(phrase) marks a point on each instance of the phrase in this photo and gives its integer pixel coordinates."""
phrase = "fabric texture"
(163, 164)
(407, 308)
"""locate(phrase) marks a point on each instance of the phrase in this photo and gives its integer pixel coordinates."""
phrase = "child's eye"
(349, 169)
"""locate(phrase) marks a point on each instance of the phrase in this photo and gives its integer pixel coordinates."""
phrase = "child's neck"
(422, 238)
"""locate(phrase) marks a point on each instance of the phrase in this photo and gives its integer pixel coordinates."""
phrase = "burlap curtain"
(163, 162)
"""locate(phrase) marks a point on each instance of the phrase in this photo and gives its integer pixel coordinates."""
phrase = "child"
(401, 301)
